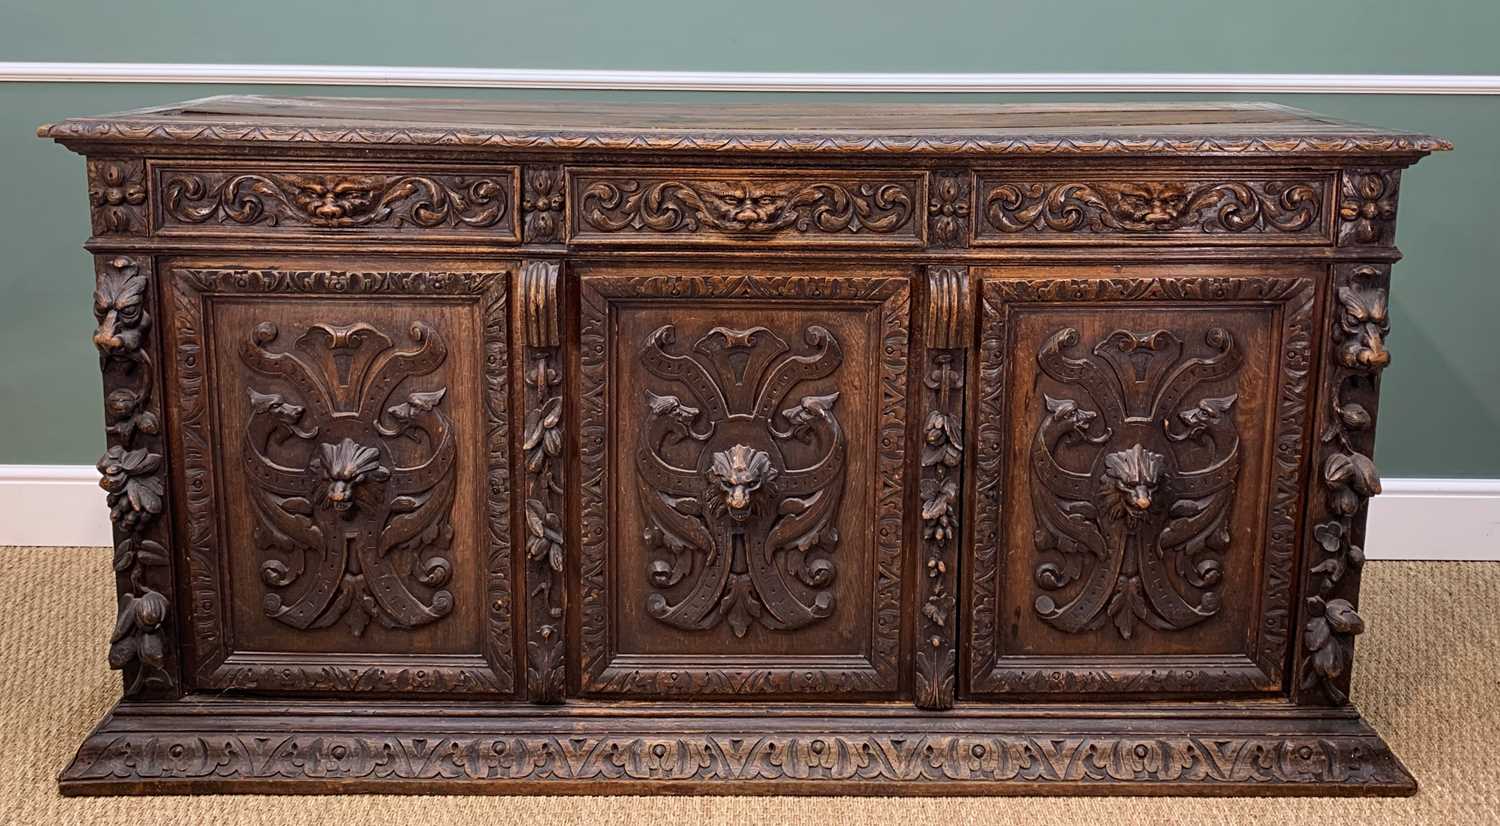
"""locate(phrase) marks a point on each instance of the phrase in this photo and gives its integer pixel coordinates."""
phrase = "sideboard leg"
(542, 448)
(941, 486)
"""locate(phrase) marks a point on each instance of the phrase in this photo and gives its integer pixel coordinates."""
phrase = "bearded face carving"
(753, 207)
(330, 200)
(1152, 204)
(1365, 323)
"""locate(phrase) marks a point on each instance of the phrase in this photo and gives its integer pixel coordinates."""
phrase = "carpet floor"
(1426, 679)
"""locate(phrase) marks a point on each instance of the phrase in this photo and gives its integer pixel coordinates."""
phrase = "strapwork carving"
(739, 534)
(352, 471)
(1133, 482)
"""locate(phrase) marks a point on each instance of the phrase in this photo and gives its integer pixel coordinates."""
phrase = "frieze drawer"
(1111, 207)
(620, 448)
(747, 206)
(294, 200)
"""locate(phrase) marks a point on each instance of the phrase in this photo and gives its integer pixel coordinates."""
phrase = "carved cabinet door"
(341, 430)
(1140, 435)
(741, 442)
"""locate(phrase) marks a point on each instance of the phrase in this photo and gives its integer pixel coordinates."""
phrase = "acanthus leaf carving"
(291, 415)
(751, 207)
(542, 443)
(753, 537)
(336, 200)
(1116, 521)
(1017, 208)
(354, 524)
(1348, 473)
(133, 475)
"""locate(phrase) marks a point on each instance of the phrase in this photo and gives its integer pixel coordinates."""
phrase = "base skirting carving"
(711, 750)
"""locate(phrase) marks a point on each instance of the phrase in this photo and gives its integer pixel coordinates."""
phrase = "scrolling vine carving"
(542, 441)
(1159, 206)
(336, 510)
(1348, 474)
(214, 663)
(336, 200)
(748, 207)
(1136, 507)
(133, 475)
(755, 535)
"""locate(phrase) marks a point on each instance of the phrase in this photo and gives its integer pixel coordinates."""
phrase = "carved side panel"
(545, 481)
(948, 328)
(134, 476)
(1117, 543)
(316, 200)
(1359, 321)
(735, 206)
(736, 538)
(363, 549)
(1104, 207)
(117, 196)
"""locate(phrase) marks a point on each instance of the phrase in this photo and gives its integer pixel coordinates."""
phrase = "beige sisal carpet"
(1426, 679)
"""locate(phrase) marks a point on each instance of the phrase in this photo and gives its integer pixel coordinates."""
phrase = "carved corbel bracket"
(1367, 207)
(948, 328)
(134, 475)
(542, 504)
(1348, 479)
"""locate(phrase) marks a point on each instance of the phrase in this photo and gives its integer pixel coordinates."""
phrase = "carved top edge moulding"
(1239, 129)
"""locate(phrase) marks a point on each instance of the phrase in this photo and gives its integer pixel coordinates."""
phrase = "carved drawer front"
(1141, 432)
(741, 206)
(1231, 207)
(342, 443)
(741, 481)
(320, 200)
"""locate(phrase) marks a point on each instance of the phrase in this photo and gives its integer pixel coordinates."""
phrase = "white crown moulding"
(671, 81)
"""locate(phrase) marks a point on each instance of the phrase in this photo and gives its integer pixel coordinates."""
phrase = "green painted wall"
(1442, 400)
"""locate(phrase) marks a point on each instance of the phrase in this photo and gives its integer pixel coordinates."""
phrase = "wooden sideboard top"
(1235, 129)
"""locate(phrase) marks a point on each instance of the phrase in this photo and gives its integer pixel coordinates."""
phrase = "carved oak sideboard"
(456, 446)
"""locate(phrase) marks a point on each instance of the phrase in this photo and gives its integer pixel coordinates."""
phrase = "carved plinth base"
(266, 746)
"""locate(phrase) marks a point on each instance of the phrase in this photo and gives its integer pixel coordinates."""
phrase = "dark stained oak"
(603, 448)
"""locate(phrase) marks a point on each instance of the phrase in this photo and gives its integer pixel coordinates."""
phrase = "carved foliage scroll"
(823, 208)
(351, 481)
(941, 486)
(1367, 207)
(134, 476)
(1076, 536)
(542, 500)
(352, 476)
(284, 197)
(117, 196)
(1135, 535)
(943, 763)
(754, 536)
(1051, 210)
(724, 480)
(1348, 479)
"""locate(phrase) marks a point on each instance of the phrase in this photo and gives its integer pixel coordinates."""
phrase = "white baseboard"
(635, 80)
(1414, 519)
